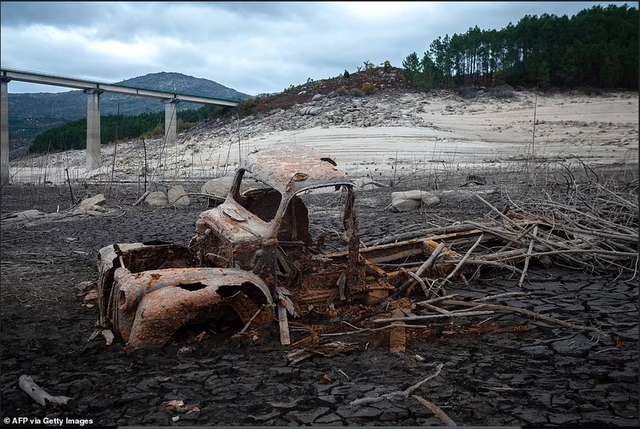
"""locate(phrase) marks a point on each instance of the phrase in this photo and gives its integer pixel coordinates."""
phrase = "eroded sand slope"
(376, 132)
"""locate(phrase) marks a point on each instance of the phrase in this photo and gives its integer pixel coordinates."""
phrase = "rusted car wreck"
(252, 259)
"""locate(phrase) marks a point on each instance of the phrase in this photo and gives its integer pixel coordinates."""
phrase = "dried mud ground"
(546, 375)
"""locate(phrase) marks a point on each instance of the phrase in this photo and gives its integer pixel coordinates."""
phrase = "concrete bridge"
(93, 91)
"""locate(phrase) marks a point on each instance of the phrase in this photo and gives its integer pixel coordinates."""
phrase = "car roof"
(292, 169)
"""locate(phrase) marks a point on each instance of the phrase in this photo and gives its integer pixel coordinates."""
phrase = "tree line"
(597, 47)
(73, 135)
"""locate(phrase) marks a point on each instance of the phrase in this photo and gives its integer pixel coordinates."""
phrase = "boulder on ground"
(402, 205)
(412, 200)
(93, 204)
(310, 110)
(157, 199)
(177, 196)
(317, 97)
(219, 186)
(430, 200)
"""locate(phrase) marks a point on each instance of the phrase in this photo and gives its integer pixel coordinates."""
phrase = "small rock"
(219, 186)
(412, 200)
(405, 205)
(177, 196)
(317, 97)
(91, 204)
(310, 111)
(157, 199)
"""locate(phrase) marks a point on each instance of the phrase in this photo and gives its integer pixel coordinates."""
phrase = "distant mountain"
(31, 114)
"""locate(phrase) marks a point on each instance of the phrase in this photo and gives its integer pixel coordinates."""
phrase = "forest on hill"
(597, 47)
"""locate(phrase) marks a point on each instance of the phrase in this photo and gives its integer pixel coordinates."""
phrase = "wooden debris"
(397, 335)
(533, 315)
(107, 335)
(174, 406)
(36, 393)
(399, 394)
(246, 326)
(528, 257)
(327, 350)
(431, 316)
(142, 198)
(437, 411)
(283, 323)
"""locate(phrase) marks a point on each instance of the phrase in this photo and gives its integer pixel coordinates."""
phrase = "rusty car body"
(253, 247)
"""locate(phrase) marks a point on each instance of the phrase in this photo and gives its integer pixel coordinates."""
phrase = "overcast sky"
(252, 47)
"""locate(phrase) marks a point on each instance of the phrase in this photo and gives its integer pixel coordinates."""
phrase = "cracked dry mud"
(546, 375)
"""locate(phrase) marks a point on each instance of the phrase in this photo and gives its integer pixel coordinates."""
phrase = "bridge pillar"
(4, 131)
(94, 160)
(170, 122)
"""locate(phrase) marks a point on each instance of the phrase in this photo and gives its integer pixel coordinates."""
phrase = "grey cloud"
(252, 47)
(55, 13)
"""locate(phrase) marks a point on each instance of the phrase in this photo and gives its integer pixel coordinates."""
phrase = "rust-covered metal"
(250, 248)
(147, 308)
(266, 231)
(290, 170)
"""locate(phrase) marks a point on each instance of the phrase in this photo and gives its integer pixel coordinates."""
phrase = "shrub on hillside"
(368, 88)
(184, 125)
(247, 107)
(342, 91)
(368, 65)
(502, 91)
(357, 92)
(154, 133)
(468, 92)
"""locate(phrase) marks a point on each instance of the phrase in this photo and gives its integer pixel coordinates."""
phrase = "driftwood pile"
(591, 236)
(594, 230)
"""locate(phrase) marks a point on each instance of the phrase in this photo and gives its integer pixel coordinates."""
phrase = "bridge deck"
(46, 79)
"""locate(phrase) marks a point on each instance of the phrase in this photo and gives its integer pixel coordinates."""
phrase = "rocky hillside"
(30, 114)
(357, 85)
